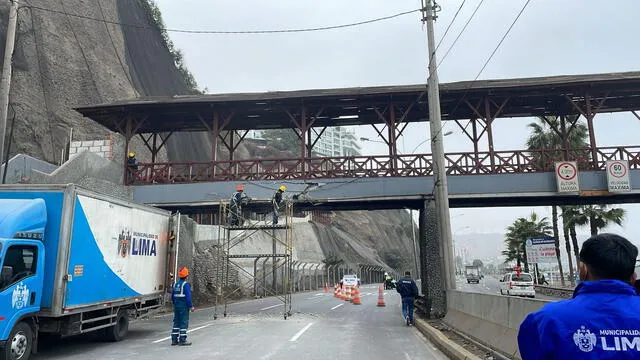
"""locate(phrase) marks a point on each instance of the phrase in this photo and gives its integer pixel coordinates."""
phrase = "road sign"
(618, 175)
(567, 176)
(541, 250)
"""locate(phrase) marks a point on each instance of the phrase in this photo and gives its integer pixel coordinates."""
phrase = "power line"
(451, 23)
(485, 65)
(224, 32)
(460, 33)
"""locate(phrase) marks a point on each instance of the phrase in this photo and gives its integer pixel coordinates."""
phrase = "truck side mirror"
(6, 275)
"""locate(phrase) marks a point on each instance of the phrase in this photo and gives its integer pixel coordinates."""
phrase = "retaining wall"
(493, 320)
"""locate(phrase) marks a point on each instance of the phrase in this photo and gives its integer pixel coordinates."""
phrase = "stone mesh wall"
(432, 267)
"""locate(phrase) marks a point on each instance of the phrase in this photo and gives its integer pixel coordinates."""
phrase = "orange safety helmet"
(239, 188)
(184, 272)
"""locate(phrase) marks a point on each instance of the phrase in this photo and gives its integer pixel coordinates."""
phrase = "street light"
(429, 139)
(371, 140)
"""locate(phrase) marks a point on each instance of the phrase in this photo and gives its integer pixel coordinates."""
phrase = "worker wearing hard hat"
(132, 166)
(276, 201)
(181, 299)
(238, 199)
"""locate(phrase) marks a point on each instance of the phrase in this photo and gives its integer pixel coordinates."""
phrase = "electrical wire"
(471, 83)
(449, 26)
(460, 33)
(225, 32)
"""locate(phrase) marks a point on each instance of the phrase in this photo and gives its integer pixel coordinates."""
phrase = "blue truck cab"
(22, 226)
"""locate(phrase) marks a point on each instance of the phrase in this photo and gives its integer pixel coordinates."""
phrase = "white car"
(512, 284)
(350, 280)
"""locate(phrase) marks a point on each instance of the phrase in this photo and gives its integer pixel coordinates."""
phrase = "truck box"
(101, 255)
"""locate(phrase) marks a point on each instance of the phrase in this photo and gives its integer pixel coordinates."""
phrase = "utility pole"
(5, 82)
(441, 192)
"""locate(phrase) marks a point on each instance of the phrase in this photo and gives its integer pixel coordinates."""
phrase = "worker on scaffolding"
(238, 200)
(277, 202)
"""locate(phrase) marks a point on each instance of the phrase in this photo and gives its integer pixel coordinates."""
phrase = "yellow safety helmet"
(283, 188)
(131, 154)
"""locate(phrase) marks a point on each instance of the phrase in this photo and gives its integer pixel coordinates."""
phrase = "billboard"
(541, 250)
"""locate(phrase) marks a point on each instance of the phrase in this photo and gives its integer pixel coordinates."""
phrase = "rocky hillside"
(70, 52)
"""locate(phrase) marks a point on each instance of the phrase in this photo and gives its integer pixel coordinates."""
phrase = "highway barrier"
(492, 320)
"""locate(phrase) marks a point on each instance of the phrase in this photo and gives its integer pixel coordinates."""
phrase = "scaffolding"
(230, 236)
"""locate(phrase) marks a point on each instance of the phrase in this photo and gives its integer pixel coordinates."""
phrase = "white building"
(335, 141)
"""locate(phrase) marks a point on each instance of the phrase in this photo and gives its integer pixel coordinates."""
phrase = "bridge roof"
(356, 106)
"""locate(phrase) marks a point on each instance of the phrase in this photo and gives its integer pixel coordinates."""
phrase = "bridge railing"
(462, 163)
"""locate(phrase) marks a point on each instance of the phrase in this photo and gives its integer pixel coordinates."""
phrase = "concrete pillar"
(431, 260)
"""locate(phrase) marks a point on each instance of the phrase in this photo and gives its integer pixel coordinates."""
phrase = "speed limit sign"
(618, 176)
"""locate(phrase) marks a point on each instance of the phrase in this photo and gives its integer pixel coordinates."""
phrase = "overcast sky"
(551, 38)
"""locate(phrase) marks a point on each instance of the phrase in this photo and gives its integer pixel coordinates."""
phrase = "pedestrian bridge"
(360, 193)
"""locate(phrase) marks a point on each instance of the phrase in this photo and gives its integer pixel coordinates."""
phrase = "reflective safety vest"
(179, 297)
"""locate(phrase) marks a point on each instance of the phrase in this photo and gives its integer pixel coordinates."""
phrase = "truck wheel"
(18, 346)
(120, 330)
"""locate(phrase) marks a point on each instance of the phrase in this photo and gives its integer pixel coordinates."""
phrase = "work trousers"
(275, 215)
(180, 324)
(407, 308)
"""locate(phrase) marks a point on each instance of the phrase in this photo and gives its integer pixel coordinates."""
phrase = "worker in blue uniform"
(602, 320)
(408, 290)
(181, 299)
(276, 202)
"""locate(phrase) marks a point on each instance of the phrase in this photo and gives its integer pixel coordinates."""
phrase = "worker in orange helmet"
(181, 299)
(238, 199)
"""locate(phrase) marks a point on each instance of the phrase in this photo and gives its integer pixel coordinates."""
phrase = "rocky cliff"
(77, 52)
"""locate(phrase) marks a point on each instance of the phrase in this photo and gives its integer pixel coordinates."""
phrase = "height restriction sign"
(567, 176)
(618, 176)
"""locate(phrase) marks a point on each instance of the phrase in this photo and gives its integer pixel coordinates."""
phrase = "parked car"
(512, 284)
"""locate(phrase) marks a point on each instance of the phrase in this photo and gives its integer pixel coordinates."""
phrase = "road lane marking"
(271, 307)
(299, 333)
(407, 356)
(337, 306)
(188, 331)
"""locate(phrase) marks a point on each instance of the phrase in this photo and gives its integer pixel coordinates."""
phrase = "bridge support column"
(431, 260)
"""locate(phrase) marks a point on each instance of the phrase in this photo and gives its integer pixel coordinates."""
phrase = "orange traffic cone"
(347, 296)
(356, 297)
(335, 290)
(326, 288)
(381, 297)
(341, 293)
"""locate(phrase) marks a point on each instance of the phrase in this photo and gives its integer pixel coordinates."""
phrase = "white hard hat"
(386, 273)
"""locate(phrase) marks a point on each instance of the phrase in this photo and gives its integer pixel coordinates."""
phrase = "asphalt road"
(488, 285)
(321, 327)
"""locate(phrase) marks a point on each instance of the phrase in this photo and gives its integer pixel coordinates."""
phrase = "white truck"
(472, 274)
(74, 261)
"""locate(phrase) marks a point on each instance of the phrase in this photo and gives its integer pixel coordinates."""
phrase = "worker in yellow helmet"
(181, 298)
(277, 203)
(132, 167)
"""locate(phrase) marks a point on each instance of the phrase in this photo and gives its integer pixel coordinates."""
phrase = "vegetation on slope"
(178, 56)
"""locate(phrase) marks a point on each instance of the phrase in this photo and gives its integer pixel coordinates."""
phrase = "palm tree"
(570, 219)
(567, 213)
(544, 137)
(518, 233)
(554, 219)
(600, 216)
